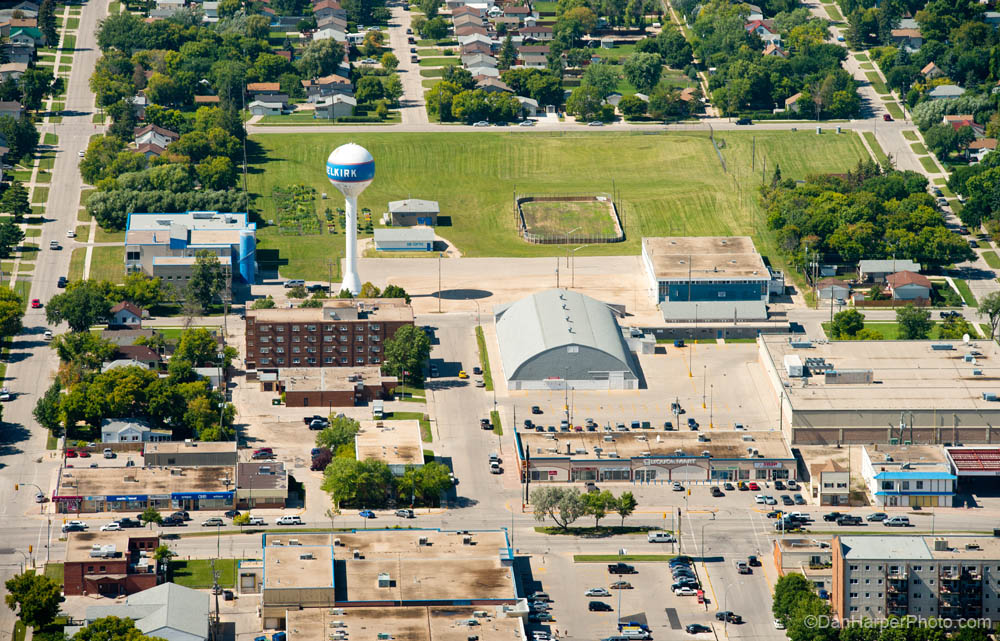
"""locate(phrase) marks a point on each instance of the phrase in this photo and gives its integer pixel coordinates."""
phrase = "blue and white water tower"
(351, 169)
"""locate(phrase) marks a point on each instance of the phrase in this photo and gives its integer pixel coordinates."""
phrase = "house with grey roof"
(414, 211)
(131, 430)
(875, 271)
(943, 92)
(168, 611)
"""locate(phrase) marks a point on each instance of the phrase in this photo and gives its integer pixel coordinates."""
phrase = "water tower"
(351, 169)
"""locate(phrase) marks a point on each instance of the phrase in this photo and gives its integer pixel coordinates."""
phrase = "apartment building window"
(343, 328)
(265, 339)
(906, 485)
(854, 608)
(311, 339)
(265, 361)
(359, 338)
(279, 339)
(265, 350)
(868, 568)
(868, 595)
(343, 349)
(374, 327)
(279, 350)
(888, 485)
(343, 361)
(296, 339)
(295, 361)
(296, 328)
(917, 568)
(264, 328)
(311, 328)
(374, 338)
(296, 350)
(343, 339)
(854, 595)
(328, 339)
(250, 344)
(376, 360)
(328, 349)
(375, 349)
(328, 360)
(311, 350)
(311, 361)
(279, 361)
(920, 485)
(329, 327)
(360, 361)
(130, 255)
(854, 581)
(868, 581)
(854, 568)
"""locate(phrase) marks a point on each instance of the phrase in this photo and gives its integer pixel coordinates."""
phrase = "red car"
(71, 454)
(35, 303)
(84, 454)
(887, 117)
(753, 486)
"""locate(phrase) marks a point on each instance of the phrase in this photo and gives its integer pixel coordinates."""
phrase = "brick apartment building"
(110, 563)
(343, 333)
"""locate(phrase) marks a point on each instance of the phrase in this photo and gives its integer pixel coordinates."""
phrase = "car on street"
(366, 514)
(526, 123)
(81, 153)
(40, 498)
(677, 487)
(263, 453)
(773, 514)
(289, 520)
(295, 282)
(35, 303)
(595, 123)
(182, 515)
(753, 487)
(685, 591)
(213, 522)
(753, 561)
(799, 500)
(728, 486)
(405, 513)
(61, 283)
(744, 121)
(318, 424)
(887, 117)
(172, 521)
(84, 454)
(72, 527)
(877, 516)
(481, 123)
(973, 244)
(778, 625)
(71, 234)
(831, 517)
(621, 585)
(897, 521)
(463, 374)
(231, 514)
(849, 520)
(599, 606)
(728, 616)
(129, 523)
(111, 527)
(743, 568)
(477, 370)
(697, 628)
(620, 568)
(597, 592)
(54, 244)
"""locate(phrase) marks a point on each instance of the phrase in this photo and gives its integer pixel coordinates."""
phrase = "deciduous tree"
(407, 351)
(80, 307)
(914, 323)
(35, 598)
(563, 505)
(207, 280)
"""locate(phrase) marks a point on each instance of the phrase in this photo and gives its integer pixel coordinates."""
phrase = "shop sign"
(765, 465)
(201, 495)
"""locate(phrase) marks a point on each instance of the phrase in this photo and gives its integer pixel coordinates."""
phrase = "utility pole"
(215, 590)
(439, 283)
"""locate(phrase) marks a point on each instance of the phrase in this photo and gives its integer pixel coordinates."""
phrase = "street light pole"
(704, 378)
(711, 406)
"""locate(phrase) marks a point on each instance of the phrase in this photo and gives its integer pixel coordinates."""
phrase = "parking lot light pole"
(711, 406)
(704, 378)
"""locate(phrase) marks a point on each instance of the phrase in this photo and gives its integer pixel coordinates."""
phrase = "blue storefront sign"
(127, 498)
(182, 496)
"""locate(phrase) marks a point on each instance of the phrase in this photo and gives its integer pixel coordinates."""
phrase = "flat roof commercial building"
(408, 239)
(948, 577)
(908, 475)
(414, 211)
(119, 489)
(708, 278)
(342, 333)
(558, 338)
(413, 623)
(110, 563)
(261, 484)
(380, 568)
(166, 245)
(329, 386)
(396, 443)
(190, 453)
(647, 456)
(887, 392)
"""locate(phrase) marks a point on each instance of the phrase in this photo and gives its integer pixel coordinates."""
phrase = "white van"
(632, 632)
(660, 537)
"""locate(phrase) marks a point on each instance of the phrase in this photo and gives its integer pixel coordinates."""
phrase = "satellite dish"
(965, 338)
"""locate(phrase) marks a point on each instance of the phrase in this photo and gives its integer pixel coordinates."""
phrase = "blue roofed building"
(167, 245)
(908, 476)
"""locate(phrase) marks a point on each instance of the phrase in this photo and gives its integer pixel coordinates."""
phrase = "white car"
(81, 153)
(759, 499)
(80, 523)
(770, 500)
(71, 234)
(778, 625)
(111, 527)
(526, 123)
(677, 487)
(597, 592)
(685, 591)
(481, 123)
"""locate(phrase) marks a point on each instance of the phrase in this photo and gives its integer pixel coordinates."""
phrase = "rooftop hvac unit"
(678, 452)
(306, 557)
(466, 540)
(337, 624)
(609, 439)
(422, 540)
(989, 396)
(276, 542)
(706, 453)
(613, 455)
(337, 543)
(645, 454)
(940, 545)
(293, 542)
(942, 346)
(383, 580)
(977, 372)
(747, 437)
(598, 449)
(356, 554)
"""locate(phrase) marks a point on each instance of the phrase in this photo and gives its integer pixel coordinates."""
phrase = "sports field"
(580, 219)
(668, 183)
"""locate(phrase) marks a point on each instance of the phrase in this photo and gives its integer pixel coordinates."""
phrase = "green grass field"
(966, 292)
(876, 148)
(197, 573)
(888, 329)
(446, 61)
(39, 195)
(876, 82)
(108, 263)
(76, 260)
(474, 174)
(992, 259)
(484, 359)
(861, 57)
(918, 148)
(50, 139)
(928, 164)
(911, 135)
(833, 12)
(894, 110)
(584, 218)
(73, 23)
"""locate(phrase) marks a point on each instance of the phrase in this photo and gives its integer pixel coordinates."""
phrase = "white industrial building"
(409, 239)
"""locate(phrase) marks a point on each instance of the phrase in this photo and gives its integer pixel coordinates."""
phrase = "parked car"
(172, 521)
(877, 516)
(787, 500)
(778, 625)
(111, 527)
(595, 123)
(481, 123)
(62, 282)
(697, 628)
(539, 596)
(677, 487)
(684, 583)
(744, 121)
(728, 486)
(831, 517)
(463, 374)
(213, 522)
(129, 523)
(753, 561)
(799, 500)
(599, 606)
(263, 454)
(54, 244)
(621, 585)
(779, 484)
(729, 617)
(405, 513)
(289, 520)
(294, 283)
(366, 514)
(897, 521)
(256, 520)
(182, 515)
(231, 514)
(597, 592)
(35, 303)
(753, 486)
(685, 591)
(71, 527)
(849, 520)
(526, 123)
(887, 117)
(535, 409)
(620, 568)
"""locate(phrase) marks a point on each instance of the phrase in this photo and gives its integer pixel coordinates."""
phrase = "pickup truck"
(315, 417)
(256, 520)
(620, 568)
(832, 516)
(849, 520)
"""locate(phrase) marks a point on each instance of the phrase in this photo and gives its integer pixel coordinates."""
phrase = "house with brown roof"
(957, 121)
(317, 88)
(468, 30)
(830, 483)
(256, 88)
(908, 286)
(126, 314)
(475, 47)
(979, 148)
(493, 85)
(467, 19)
(151, 150)
(153, 134)
(536, 33)
(931, 71)
(910, 38)
(206, 100)
(793, 103)
(328, 8)
(466, 10)
(775, 51)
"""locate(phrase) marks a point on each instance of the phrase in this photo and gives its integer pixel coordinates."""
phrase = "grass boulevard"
(669, 183)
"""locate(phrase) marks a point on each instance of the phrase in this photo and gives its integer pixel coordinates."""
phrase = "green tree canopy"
(341, 431)
(80, 307)
(407, 351)
(914, 323)
(35, 598)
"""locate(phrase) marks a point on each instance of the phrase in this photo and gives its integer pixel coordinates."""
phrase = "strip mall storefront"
(657, 470)
(138, 502)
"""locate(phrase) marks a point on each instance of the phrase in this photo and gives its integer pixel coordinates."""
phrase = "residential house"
(957, 121)
(468, 30)
(130, 430)
(483, 72)
(330, 33)
(211, 9)
(493, 85)
(765, 30)
(793, 103)
(979, 148)
(27, 36)
(478, 60)
(613, 99)
(336, 23)
(335, 106)
(22, 53)
(931, 71)
(755, 12)
(908, 286)
(206, 100)
(12, 70)
(688, 94)
(15, 23)
(476, 37)
(520, 12)
(265, 107)
(541, 34)
(150, 150)
(533, 56)
(466, 10)
(467, 20)
(153, 134)
(173, 5)
(475, 47)
(876, 270)
(26, 8)
(140, 354)
(167, 611)
(943, 92)
(126, 314)
(830, 483)
(317, 88)
(120, 336)
(511, 23)
(908, 38)
(328, 9)
(775, 51)
(529, 106)
(139, 103)
(256, 88)
(12, 109)
(992, 18)
(833, 288)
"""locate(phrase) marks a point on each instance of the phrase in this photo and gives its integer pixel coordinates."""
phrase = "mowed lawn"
(580, 219)
(669, 184)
